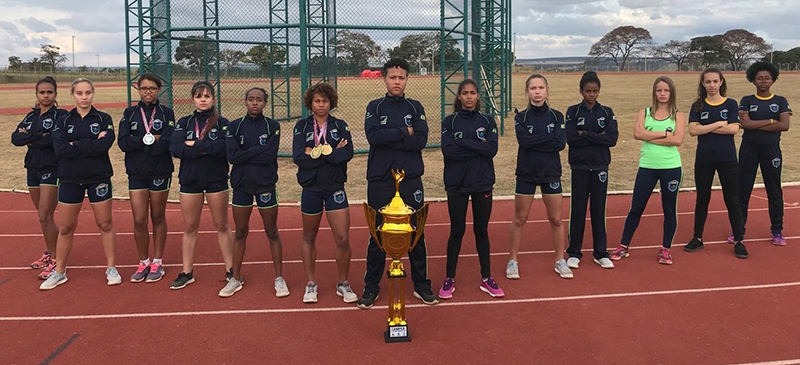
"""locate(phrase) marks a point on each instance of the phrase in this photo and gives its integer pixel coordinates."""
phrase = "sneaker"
(740, 251)
(311, 293)
(182, 280)
(512, 270)
(693, 245)
(778, 239)
(605, 263)
(731, 240)
(281, 290)
(343, 290)
(619, 253)
(47, 270)
(367, 300)
(43, 261)
(112, 275)
(563, 269)
(489, 286)
(141, 273)
(156, 273)
(573, 262)
(55, 279)
(426, 296)
(449, 286)
(664, 257)
(231, 288)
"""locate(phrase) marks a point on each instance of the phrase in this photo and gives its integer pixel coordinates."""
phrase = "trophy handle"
(371, 215)
(422, 216)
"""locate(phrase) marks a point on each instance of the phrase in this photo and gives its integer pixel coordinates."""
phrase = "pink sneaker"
(490, 287)
(664, 257)
(731, 240)
(47, 270)
(448, 287)
(619, 253)
(778, 239)
(42, 262)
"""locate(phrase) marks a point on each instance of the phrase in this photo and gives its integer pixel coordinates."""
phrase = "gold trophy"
(394, 237)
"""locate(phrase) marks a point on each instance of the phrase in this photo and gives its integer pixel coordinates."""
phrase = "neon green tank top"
(655, 156)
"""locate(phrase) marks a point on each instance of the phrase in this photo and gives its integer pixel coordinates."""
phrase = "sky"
(543, 28)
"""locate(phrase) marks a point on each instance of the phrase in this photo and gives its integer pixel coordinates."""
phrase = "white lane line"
(327, 228)
(430, 257)
(778, 362)
(793, 204)
(491, 302)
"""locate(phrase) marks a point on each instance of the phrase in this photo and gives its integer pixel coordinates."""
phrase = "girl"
(252, 148)
(660, 127)
(199, 142)
(469, 143)
(40, 161)
(81, 140)
(591, 132)
(144, 135)
(541, 136)
(322, 172)
(714, 119)
(763, 116)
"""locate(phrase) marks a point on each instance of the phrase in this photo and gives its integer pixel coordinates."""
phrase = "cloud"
(37, 26)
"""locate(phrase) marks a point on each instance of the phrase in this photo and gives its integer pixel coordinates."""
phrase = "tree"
(51, 56)
(621, 43)
(676, 52)
(414, 46)
(14, 62)
(191, 52)
(230, 58)
(711, 50)
(358, 48)
(266, 57)
(776, 57)
(743, 46)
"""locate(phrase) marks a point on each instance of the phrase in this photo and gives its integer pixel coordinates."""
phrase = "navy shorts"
(529, 188)
(36, 178)
(208, 189)
(72, 193)
(265, 200)
(313, 202)
(154, 185)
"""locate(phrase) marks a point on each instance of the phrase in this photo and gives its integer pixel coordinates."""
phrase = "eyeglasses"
(148, 89)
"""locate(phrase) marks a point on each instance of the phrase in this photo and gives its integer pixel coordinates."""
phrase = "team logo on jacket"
(601, 122)
(241, 140)
(753, 108)
(776, 162)
(603, 176)
(550, 127)
(95, 128)
(266, 197)
(581, 121)
(673, 185)
(384, 119)
(48, 123)
(158, 182)
(335, 134)
(555, 185)
(46, 176)
(457, 135)
(101, 190)
(723, 113)
(530, 129)
(774, 108)
(704, 115)
(189, 135)
(70, 128)
(157, 124)
(213, 134)
(418, 196)
(481, 132)
(262, 139)
(407, 120)
(339, 197)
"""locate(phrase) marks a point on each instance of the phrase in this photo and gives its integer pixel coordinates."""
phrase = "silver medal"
(149, 139)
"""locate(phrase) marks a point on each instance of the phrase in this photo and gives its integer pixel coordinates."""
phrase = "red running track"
(707, 308)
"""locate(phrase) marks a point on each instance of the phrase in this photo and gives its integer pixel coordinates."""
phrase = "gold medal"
(327, 149)
(316, 152)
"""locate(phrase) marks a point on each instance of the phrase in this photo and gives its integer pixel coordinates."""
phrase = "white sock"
(158, 261)
(145, 262)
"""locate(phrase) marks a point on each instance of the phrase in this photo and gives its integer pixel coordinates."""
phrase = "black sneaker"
(367, 300)
(182, 280)
(426, 296)
(693, 245)
(740, 251)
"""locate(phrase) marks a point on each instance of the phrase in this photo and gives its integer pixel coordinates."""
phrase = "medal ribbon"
(319, 133)
(148, 124)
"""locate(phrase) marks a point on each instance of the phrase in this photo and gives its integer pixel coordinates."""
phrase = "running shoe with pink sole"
(778, 239)
(448, 287)
(664, 256)
(43, 261)
(490, 287)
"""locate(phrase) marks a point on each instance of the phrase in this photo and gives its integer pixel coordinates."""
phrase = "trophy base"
(396, 334)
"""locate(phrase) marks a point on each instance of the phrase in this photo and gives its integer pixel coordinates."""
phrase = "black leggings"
(646, 180)
(481, 211)
(769, 157)
(729, 179)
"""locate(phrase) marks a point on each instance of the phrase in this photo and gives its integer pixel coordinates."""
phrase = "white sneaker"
(55, 279)
(343, 290)
(311, 293)
(573, 262)
(563, 269)
(281, 290)
(605, 263)
(112, 275)
(231, 288)
(512, 269)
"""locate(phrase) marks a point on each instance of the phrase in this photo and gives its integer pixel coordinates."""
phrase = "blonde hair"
(78, 81)
(673, 95)
(546, 85)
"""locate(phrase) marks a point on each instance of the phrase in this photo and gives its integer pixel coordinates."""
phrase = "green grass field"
(625, 93)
